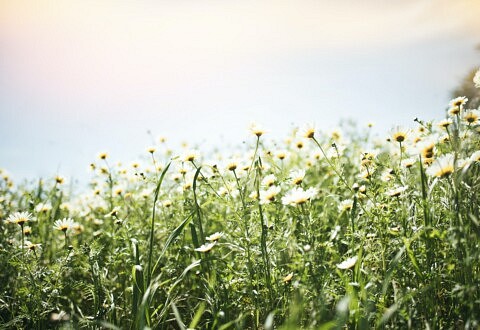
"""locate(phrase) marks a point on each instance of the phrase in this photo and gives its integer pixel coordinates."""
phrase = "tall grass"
(379, 233)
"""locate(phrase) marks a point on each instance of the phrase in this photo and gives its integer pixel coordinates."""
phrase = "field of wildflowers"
(320, 231)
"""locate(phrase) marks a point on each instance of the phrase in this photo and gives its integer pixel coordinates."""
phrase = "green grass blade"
(150, 251)
(198, 315)
(177, 231)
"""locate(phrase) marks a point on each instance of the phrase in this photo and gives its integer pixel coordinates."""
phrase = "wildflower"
(442, 167)
(59, 179)
(336, 135)
(43, 208)
(267, 196)
(355, 186)
(456, 105)
(57, 317)
(257, 130)
(298, 196)
(282, 155)
(77, 228)
(387, 174)
(428, 150)
(223, 191)
(476, 79)
(232, 166)
(445, 123)
(475, 157)
(65, 206)
(253, 195)
(309, 132)
(151, 150)
(27, 231)
(98, 222)
(103, 155)
(297, 176)
(409, 162)
(190, 156)
(288, 278)
(445, 138)
(112, 214)
(299, 144)
(215, 237)
(335, 232)
(399, 135)
(335, 151)
(471, 117)
(20, 218)
(64, 224)
(269, 180)
(365, 174)
(459, 101)
(316, 155)
(167, 203)
(31, 247)
(145, 193)
(345, 205)
(397, 191)
(367, 159)
(347, 264)
(206, 247)
(427, 161)
(362, 189)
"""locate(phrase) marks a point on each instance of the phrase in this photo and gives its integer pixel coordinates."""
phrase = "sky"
(82, 76)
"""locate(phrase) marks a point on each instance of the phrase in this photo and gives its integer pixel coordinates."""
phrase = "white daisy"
(347, 264)
(207, 247)
(215, 236)
(443, 166)
(298, 196)
(267, 196)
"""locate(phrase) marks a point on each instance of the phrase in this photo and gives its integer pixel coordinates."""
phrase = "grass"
(318, 232)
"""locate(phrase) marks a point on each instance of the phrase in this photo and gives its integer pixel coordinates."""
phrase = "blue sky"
(79, 77)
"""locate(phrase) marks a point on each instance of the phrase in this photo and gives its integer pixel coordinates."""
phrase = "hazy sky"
(79, 77)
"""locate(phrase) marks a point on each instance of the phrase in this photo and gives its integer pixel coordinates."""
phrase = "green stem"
(23, 241)
(263, 243)
(331, 165)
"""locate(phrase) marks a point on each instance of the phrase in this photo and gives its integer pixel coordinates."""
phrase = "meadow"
(322, 230)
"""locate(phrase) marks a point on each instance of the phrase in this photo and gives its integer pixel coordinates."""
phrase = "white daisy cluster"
(298, 196)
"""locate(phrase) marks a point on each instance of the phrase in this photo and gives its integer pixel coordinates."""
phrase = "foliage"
(321, 231)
